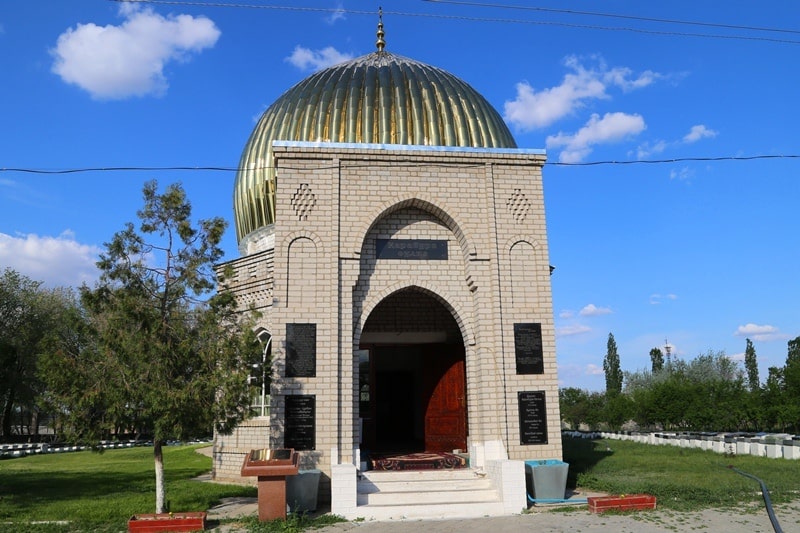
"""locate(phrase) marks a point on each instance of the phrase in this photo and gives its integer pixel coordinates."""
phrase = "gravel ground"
(574, 519)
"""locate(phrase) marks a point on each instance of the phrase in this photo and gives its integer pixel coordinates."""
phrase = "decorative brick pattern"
(303, 201)
(519, 206)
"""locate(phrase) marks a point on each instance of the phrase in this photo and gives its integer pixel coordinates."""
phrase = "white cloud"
(566, 314)
(611, 128)
(621, 77)
(574, 375)
(594, 370)
(684, 173)
(760, 333)
(116, 62)
(568, 331)
(656, 299)
(57, 261)
(531, 109)
(255, 118)
(307, 59)
(737, 357)
(593, 310)
(646, 149)
(337, 15)
(699, 132)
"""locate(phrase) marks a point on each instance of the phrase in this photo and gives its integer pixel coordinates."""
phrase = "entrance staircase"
(410, 494)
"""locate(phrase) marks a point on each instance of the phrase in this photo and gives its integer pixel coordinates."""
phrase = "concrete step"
(367, 486)
(439, 511)
(378, 476)
(427, 497)
(427, 494)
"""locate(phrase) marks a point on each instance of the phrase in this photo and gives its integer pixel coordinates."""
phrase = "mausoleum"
(393, 237)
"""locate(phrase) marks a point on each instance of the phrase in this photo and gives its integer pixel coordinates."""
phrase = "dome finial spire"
(380, 43)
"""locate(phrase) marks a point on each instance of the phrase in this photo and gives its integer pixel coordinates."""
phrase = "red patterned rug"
(417, 461)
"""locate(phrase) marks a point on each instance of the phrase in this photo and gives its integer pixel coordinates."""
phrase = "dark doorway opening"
(417, 399)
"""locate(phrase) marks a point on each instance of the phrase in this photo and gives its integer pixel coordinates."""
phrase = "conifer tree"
(751, 367)
(611, 367)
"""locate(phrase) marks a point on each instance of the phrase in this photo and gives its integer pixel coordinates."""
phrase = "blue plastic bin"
(546, 479)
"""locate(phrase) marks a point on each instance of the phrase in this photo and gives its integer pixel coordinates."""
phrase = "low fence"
(780, 446)
(11, 451)
(8, 451)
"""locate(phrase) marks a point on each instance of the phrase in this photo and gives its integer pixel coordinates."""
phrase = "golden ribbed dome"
(377, 98)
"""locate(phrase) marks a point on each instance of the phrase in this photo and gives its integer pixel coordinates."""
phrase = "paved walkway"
(551, 519)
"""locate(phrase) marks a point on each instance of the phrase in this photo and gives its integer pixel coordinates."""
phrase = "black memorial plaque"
(532, 418)
(528, 348)
(301, 350)
(299, 423)
(411, 249)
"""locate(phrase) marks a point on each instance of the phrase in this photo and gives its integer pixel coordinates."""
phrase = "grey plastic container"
(546, 479)
(302, 491)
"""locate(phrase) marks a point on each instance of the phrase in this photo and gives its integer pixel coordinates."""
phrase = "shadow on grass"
(21, 491)
(92, 491)
(582, 455)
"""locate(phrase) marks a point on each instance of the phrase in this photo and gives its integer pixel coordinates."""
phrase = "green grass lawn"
(681, 479)
(100, 491)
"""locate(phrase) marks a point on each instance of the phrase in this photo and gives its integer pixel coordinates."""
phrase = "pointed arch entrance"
(412, 380)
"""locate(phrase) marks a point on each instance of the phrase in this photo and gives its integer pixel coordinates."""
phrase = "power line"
(616, 15)
(676, 160)
(465, 18)
(237, 169)
(115, 169)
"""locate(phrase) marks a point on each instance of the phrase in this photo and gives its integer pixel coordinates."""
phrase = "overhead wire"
(78, 170)
(470, 19)
(615, 15)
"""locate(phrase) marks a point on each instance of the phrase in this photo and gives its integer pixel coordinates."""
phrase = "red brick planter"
(153, 523)
(623, 502)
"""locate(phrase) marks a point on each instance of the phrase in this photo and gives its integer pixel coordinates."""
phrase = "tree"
(617, 410)
(792, 370)
(793, 354)
(777, 409)
(707, 392)
(573, 404)
(751, 366)
(579, 407)
(711, 366)
(611, 368)
(28, 313)
(162, 354)
(657, 359)
(791, 381)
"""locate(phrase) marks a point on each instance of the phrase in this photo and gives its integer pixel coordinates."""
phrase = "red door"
(446, 412)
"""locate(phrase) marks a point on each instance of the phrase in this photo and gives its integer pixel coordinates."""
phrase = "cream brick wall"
(230, 450)
(333, 202)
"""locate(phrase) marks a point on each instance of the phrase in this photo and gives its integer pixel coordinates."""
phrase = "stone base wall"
(229, 450)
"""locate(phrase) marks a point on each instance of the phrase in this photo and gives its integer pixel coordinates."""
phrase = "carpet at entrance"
(417, 461)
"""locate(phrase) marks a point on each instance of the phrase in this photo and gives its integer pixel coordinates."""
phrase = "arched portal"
(412, 381)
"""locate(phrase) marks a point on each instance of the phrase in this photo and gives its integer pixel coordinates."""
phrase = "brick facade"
(335, 204)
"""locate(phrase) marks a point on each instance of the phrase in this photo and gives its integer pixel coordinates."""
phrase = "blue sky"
(697, 254)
